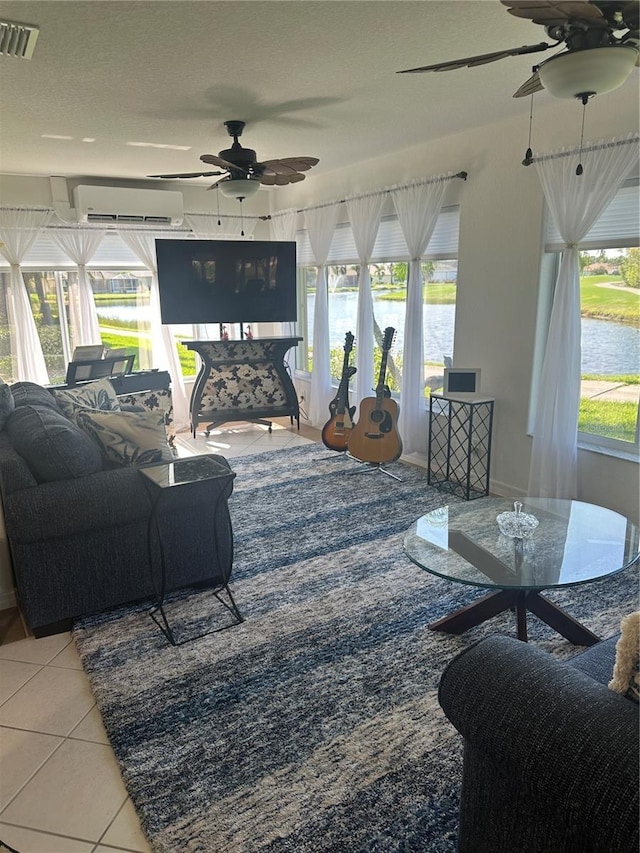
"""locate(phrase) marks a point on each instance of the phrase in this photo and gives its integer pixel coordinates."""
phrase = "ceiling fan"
(595, 59)
(241, 171)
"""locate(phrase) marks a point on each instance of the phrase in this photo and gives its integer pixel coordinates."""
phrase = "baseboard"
(505, 490)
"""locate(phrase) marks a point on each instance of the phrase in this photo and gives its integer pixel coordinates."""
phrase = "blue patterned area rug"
(314, 726)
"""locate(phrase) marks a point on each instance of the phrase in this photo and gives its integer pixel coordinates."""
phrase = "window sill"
(605, 450)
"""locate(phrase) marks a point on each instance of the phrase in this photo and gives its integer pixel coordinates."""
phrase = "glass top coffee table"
(575, 543)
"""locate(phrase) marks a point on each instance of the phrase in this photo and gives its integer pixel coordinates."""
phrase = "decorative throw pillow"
(128, 438)
(626, 674)
(32, 394)
(94, 395)
(7, 403)
(52, 446)
(151, 401)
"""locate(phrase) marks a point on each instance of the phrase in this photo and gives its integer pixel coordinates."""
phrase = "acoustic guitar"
(336, 431)
(375, 437)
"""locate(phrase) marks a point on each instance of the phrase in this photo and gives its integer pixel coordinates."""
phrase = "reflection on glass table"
(574, 543)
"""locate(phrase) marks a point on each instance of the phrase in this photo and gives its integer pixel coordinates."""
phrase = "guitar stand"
(376, 466)
(334, 454)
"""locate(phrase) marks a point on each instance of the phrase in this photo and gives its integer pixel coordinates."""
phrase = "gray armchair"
(550, 752)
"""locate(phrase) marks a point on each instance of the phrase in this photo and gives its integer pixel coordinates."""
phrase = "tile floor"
(60, 788)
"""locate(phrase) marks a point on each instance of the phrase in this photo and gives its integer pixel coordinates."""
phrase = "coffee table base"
(520, 601)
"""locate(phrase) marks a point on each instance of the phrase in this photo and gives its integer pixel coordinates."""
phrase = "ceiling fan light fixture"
(239, 187)
(583, 73)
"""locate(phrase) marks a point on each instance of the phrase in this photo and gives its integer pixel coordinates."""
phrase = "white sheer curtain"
(321, 223)
(284, 225)
(18, 231)
(165, 353)
(80, 245)
(417, 208)
(364, 215)
(575, 202)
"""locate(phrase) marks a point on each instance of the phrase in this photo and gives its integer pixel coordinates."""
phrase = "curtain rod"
(111, 227)
(596, 146)
(418, 183)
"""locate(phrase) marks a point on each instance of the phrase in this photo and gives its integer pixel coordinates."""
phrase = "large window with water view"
(388, 274)
(610, 311)
(609, 322)
(123, 307)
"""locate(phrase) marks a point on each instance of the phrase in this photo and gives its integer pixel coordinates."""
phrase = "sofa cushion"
(94, 395)
(7, 403)
(151, 401)
(32, 394)
(129, 438)
(52, 446)
(626, 674)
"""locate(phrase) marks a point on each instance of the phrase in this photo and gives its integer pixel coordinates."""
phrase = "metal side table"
(177, 474)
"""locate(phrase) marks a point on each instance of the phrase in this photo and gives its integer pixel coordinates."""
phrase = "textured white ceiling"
(309, 78)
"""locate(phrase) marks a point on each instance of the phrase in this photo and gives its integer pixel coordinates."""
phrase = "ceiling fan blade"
(549, 13)
(224, 164)
(530, 86)
(471, 61)
(270, 180)
(289, 165)
(188, 175)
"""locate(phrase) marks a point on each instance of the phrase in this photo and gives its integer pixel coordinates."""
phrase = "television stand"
(243, 380)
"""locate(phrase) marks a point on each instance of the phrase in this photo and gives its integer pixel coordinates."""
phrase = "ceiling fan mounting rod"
(235, 128)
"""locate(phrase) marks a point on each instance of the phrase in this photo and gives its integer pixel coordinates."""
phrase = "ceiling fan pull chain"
(579, 169)
(241, 219)
(218, 203)
(528, 155)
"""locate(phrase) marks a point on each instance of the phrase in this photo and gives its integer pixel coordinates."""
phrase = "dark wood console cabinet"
(243, 380)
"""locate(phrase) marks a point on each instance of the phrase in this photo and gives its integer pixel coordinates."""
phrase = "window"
(388, 272)
(121, 290)
(610, 323)
(48, 297)
(610, 312)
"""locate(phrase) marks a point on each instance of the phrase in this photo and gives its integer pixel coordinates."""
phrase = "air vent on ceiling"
(18, 40)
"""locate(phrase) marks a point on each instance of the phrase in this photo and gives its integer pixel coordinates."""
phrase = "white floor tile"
(91, 728)
(29, 841)
(53, 701)
(21, 755)
(13, 675)
(31, 650)
(68, 658)
(125, 831)
(76, 793)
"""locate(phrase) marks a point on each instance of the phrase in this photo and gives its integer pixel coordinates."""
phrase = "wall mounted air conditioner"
(124, 204)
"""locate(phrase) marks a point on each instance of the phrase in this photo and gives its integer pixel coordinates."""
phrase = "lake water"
(607, 348)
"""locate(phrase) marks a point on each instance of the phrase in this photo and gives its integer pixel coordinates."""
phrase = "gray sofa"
(77, 523)
(550, 752)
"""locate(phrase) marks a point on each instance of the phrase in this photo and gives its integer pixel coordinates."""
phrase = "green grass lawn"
(609, 303)
(115, 341)
(605, 303)
(608, 418)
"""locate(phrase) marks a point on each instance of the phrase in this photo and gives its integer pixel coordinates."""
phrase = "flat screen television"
(226, 281)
